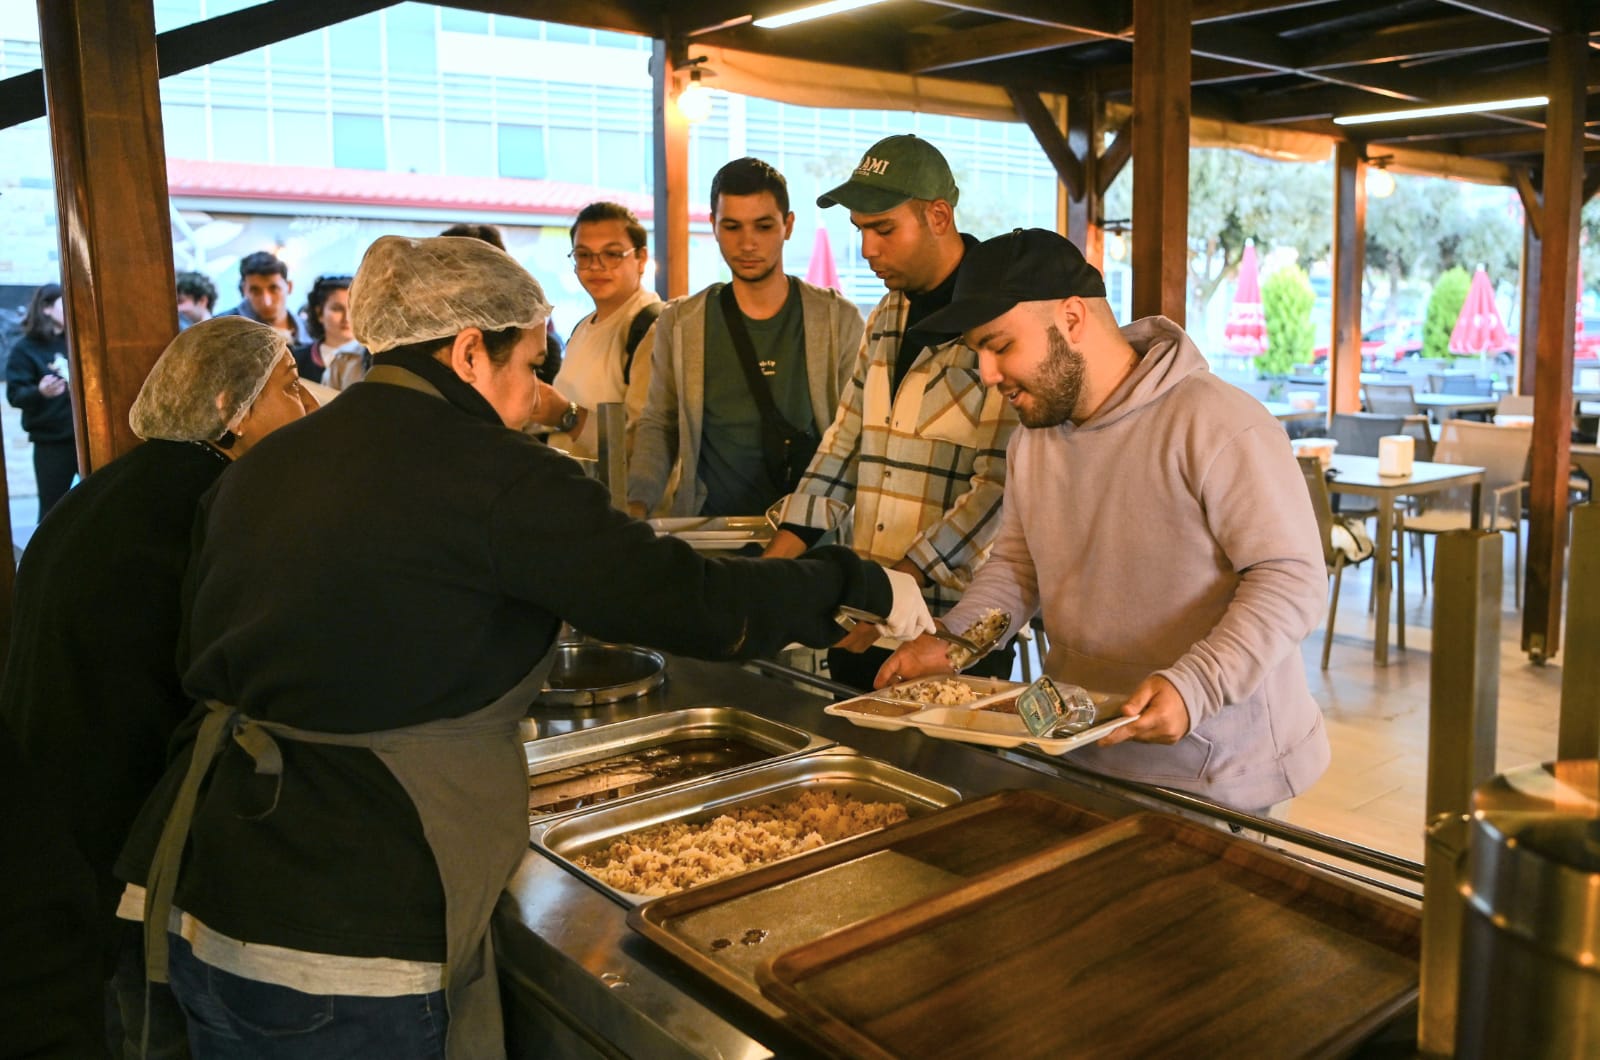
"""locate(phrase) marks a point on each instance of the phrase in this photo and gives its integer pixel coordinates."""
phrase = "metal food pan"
(597, 744)
(840, 770)
(715, 533)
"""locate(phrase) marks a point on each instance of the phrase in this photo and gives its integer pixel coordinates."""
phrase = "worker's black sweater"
(396, 559)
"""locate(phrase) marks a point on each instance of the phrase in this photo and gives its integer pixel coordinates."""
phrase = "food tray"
(725, 929)
(716, 533)
(1149, 937)
(838, 769)
(971, 723)
(591, 765)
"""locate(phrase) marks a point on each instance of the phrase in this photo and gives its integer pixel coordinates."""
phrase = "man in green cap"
(917, 447)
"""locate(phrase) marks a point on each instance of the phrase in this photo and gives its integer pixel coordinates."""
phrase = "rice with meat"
(984, 633)
(669, 857)
(944, 692)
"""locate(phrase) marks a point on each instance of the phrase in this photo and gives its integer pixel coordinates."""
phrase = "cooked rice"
(669, 857)
(943, 692)
(985, 633)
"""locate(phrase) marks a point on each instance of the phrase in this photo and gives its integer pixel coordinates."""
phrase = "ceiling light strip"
(806, 14)
(1435, 112)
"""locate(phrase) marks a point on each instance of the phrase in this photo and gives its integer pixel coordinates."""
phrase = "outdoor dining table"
(1359, 475)
(1284, 412)
(1446, 405)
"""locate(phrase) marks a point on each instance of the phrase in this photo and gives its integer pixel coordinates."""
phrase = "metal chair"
(1391, 399)
(1463, 383)
(1335, 557)
(1515, 405)
(1502, 452)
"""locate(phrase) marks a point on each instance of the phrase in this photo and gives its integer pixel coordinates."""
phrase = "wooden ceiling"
(1286, 63)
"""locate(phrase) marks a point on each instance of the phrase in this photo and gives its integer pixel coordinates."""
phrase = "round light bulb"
(1380, 183)
(694, 102)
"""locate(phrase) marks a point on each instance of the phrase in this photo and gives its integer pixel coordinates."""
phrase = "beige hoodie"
(1172, 533)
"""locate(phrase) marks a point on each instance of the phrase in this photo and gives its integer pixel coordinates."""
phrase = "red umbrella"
(823, 272)
(1246, 330)
(1479, 328)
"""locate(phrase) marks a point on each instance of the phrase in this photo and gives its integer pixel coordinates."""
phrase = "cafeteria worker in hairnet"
(351, 821)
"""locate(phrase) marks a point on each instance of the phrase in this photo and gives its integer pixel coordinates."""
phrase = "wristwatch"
(569, 418)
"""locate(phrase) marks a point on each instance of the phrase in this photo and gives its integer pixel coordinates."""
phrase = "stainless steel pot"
(590, 672)
(1529, 983)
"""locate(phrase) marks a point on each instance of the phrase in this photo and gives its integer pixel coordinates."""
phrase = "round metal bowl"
(586, 673)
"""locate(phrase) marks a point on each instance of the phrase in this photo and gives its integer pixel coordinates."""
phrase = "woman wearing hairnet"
(360, 816)
(90, 690)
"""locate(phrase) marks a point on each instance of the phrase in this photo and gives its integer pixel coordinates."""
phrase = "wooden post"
(1083, 210)
(1532, 258)
(111, 193)
(1578, 734)
(1552, 394)
(1349, 263)
(671, 176)
(1161, 42)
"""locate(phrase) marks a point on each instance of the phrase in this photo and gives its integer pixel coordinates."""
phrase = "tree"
(1425, 228)
(1286, 300)
(1444, 308)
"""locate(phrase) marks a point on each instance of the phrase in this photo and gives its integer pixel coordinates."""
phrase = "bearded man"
(1155, 515)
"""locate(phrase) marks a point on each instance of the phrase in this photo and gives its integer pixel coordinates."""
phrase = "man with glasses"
(607, 359)
(748, 373)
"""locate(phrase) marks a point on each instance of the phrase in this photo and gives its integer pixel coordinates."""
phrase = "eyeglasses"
(609, 258)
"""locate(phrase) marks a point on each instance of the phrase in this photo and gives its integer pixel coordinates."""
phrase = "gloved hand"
(909, 618)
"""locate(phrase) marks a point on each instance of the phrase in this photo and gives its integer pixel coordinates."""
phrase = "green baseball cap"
(894, 170)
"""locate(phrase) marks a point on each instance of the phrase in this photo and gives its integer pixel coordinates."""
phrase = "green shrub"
(1286, 299)
(1444, 308)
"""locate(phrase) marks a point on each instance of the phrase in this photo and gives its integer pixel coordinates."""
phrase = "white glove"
(909, 618)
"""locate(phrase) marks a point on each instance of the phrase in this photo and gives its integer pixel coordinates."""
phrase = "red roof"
(241, 180)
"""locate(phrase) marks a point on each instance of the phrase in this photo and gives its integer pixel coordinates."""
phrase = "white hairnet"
(206, 380)
(413, 290)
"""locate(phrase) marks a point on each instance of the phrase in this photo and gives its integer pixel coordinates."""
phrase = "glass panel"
(468, 149)
(571, 156)
(170, 14)
(570, 34)
(300, 139)
(625, 161)
(414, 145)
(412, 50)
(305, 52)
(521, 151)
(358, 44)
(506, 26)
(184, 128)
(463, 21)
(238, 134)
(358, 142)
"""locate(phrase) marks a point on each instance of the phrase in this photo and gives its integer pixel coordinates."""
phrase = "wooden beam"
(1528, 340)
(1033, 112)
(1161, 48)
(1454, 35)
(1349, 265)
(1539, 15)
(1552, 395)
(671, 177)
(1113, 158)
(1108, 18)
(1083, 221)
(100, 75)
(983, 44)
(1532, 203)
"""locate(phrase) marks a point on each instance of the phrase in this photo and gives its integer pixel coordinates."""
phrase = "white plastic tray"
(970, 723)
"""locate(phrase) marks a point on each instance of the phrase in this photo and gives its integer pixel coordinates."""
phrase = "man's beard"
(1053, 393)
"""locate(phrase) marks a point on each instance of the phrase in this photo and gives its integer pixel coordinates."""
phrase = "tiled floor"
(1377, 718)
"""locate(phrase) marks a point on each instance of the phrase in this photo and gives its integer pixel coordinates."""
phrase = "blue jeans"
(233, 1018)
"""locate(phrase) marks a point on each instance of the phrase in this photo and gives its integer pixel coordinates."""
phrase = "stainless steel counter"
(579, 982)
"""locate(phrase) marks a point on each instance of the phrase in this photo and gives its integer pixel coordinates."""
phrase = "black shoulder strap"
(640, 326)
(760, 390)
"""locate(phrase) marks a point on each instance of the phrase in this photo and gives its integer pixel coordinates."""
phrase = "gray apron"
(467, 777)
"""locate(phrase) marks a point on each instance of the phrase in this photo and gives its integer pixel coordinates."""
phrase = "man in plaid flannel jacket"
(911, 471)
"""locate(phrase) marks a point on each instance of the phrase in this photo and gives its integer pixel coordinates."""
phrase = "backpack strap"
(640, 326)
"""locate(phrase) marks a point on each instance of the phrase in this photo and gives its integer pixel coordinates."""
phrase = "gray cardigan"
(670, 426)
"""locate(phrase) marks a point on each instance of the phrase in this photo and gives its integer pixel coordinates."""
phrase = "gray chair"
(1502, 452)
(1335, 558)
(1391, 399)
(1515, 405)
(1463, 383)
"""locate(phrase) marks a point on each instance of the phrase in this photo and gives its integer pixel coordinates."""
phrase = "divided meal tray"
(972, 722)
(716, 533)
(725, 929)
(839, 770)
(611, 762)
(1152, 936)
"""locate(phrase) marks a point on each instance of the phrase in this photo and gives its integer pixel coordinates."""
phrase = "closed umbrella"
(1245, 333)
(823, 272)
(1479, 329)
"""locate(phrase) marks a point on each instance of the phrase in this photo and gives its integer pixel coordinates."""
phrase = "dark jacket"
(445, 550)
(46, 419)
(91, 686)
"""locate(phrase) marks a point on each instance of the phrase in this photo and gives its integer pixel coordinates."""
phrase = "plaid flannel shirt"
(923, 468)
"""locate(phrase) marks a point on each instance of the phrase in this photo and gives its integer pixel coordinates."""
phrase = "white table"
(1358, 475)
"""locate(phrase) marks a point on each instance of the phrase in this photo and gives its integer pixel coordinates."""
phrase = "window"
(304, 52)
(506, 26)
(569, 34)
(300, 138)
(412, 49)
(521, 151)
(463, 21)
(238, 134)
(184, 128)
(625, 161)
(358, 142)
(572, 157)
(468, 149)
(414, 145)
(170, 14)
(357, 44)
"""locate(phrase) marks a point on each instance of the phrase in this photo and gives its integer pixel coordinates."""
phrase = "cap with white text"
(894, 170)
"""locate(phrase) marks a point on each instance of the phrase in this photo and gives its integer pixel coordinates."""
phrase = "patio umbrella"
(823, 272)
(1479, 329)
(1246, 330)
